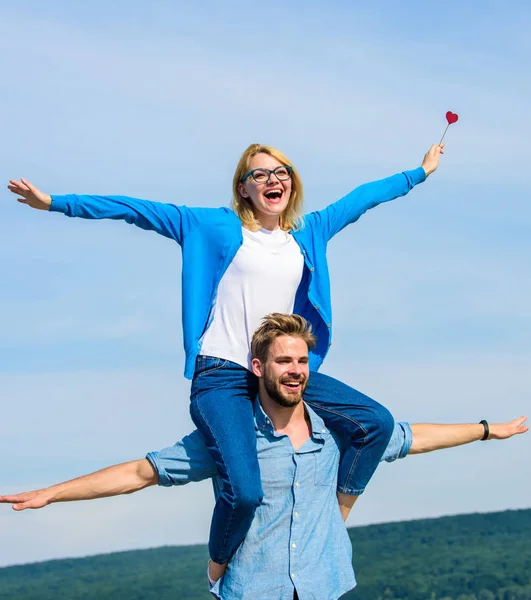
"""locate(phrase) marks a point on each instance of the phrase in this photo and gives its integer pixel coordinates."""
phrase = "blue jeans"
(221, 408)
(365, 425)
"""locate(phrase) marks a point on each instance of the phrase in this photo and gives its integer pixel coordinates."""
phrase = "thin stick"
(444, 134)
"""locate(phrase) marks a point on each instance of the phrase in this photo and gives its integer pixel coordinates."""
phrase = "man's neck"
(292, 421)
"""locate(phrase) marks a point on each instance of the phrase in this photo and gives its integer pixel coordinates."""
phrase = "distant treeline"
(465, 557)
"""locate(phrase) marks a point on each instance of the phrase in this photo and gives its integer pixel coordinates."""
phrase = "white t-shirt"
(262, 278)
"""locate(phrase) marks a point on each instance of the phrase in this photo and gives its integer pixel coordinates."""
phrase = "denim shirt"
(211, 237)
(298, 539)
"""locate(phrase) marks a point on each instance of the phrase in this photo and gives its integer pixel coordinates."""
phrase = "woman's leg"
(366, 426)
(222, 409)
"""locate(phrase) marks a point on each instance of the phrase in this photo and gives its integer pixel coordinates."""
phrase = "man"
(298, 546)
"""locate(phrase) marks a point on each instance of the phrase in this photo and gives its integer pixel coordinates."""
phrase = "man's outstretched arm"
(428, 436)
(188, 460)
(418, 438)
(119, 479)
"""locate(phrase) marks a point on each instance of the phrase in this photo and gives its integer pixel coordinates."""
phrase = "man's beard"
(275, 391)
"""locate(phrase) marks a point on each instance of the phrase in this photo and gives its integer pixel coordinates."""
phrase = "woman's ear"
(243, 192)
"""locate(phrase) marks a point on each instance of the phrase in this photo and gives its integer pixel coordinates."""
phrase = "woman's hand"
(431, 160)
(30, 194)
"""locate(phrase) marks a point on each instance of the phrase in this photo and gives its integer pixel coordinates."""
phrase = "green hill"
(464, 557)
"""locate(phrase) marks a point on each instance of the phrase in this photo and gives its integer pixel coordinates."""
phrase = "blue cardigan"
(210, 238)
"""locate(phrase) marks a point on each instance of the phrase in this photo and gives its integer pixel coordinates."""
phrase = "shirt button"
(329, 325)
(323, 430)
(312, 269)
(293, 574)
(296, 514)
(293, 545)
(317, 307)
(296, 484)
(268, 421)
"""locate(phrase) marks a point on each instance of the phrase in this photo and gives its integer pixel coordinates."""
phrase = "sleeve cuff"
(164, 479)
(408, 437)
(417, 175)
(400, 443)
(59, 204)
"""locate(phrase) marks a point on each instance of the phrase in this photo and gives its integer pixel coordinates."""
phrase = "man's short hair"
(276, 325)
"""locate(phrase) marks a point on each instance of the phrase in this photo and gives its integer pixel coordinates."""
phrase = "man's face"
(285, 373)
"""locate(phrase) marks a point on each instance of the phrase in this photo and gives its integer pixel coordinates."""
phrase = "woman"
(238, 266)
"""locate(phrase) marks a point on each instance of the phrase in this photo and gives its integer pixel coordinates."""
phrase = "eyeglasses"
(264, 175)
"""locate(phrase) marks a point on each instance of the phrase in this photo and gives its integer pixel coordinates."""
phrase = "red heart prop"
(451, 117)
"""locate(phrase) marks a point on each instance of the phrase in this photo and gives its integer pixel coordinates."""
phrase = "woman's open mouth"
(273, 196)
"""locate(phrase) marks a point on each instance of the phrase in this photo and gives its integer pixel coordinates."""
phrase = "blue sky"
(431, 292)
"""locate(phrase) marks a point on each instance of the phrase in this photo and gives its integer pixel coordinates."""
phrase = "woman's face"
(269, 198)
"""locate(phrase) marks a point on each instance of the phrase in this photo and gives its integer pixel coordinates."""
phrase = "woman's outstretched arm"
(166, 219)
(349, 209)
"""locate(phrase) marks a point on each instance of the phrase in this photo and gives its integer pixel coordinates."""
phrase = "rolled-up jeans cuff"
(349, 491)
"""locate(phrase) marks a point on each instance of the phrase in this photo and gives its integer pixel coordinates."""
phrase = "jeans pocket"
(326, 466)
(210, 366)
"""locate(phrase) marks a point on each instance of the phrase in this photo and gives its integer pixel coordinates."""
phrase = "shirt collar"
(264, 423)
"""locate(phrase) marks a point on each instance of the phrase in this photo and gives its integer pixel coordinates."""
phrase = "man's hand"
(30, 194)
(431, 159)
(502, 431)
(36, 499)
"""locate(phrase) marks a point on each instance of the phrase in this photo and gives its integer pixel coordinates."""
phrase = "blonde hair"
(276, 325)
(291, 218)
